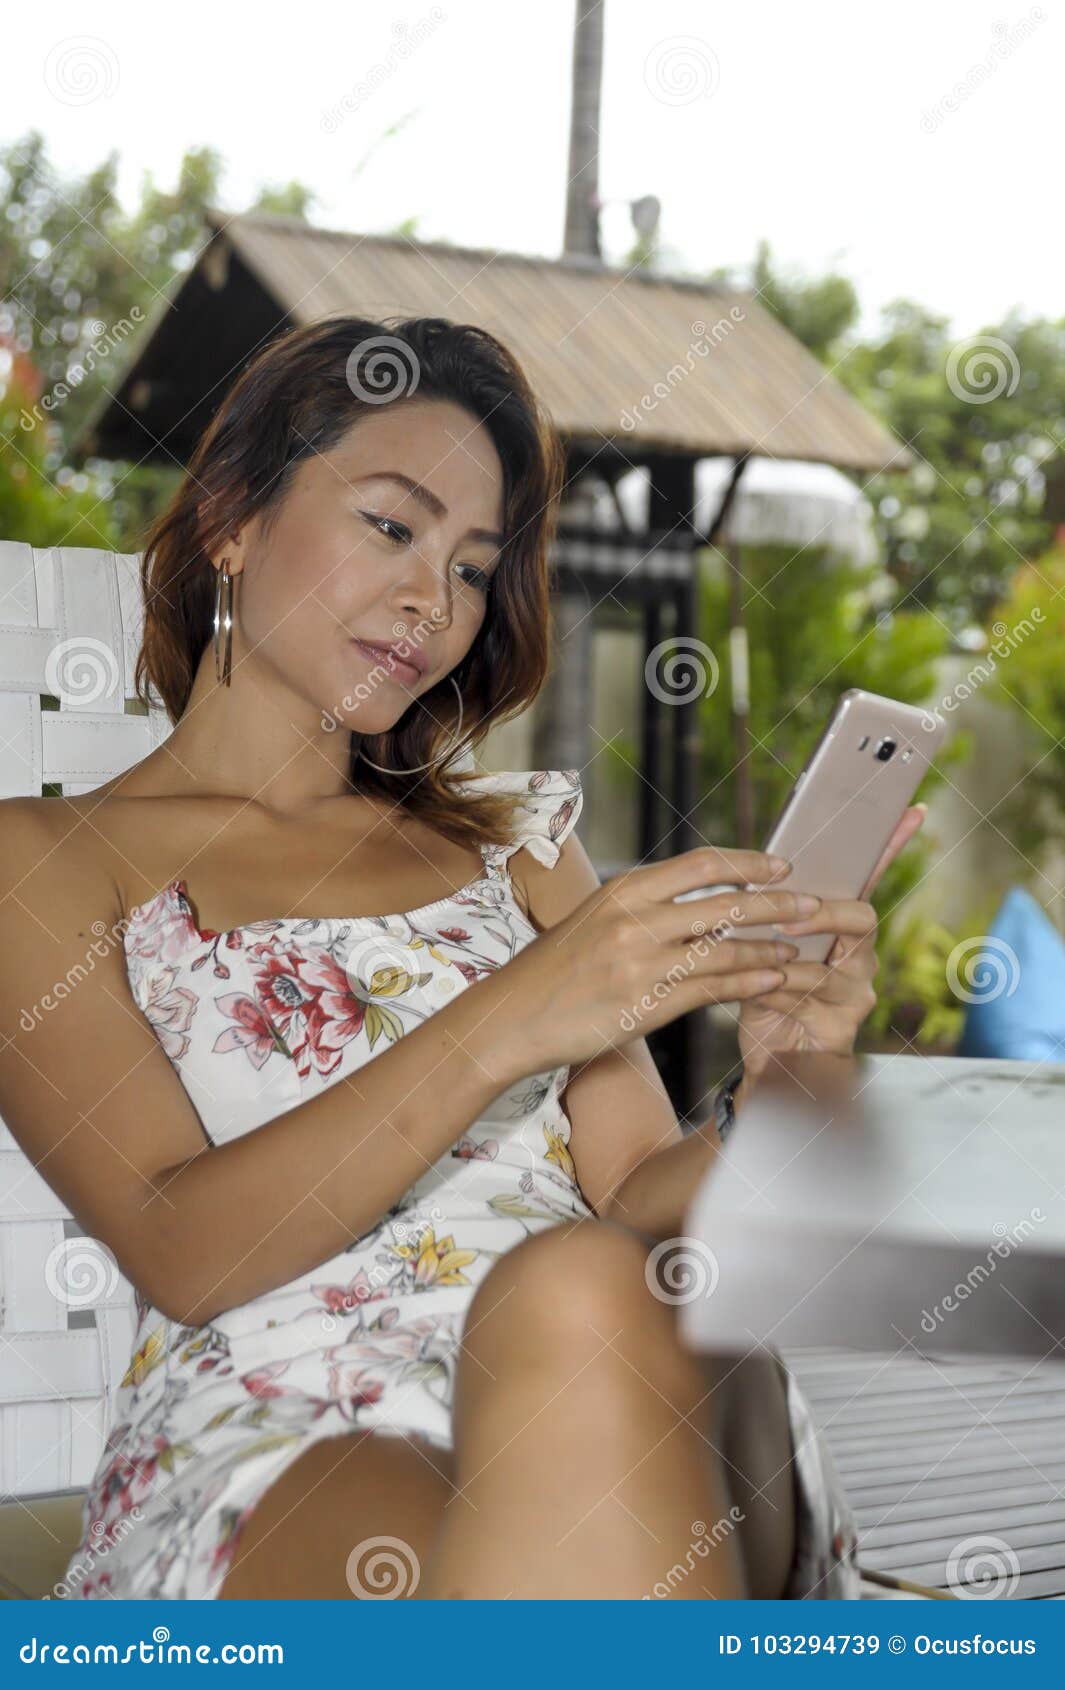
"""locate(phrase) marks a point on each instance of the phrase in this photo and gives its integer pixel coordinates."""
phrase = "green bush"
(813, 632)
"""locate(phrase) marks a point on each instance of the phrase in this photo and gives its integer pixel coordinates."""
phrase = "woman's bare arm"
(633, 1164)
(96, 1104)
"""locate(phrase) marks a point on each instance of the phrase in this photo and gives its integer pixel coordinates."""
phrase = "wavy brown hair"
(299, 396)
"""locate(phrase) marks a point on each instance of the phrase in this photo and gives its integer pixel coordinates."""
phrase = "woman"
(386, 1183)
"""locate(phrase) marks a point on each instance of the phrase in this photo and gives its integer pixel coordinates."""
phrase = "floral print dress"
(255, 1020)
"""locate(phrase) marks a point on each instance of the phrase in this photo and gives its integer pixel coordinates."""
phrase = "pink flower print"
(100, 1586)
(560, 819)
(260, 1381)
(339, 1013)
(361, 1290)
(470, 973)
(468, 1149)
(128, 1482)
(454, 935)
(281, 986)
(352, 1387)
(170, 1010)
(162, 929)
(253, 1034)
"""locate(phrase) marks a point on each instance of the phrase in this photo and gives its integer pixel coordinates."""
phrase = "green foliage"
(958, 525)
(984, 416)
(1029, 681)
(35, 504)
(812, 633)
(292, 199)
(817, 312)
(914, 1000)
(74, 264)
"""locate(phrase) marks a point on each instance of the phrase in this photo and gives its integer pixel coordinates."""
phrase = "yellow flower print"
(147, 1357)
(558, 1152)
(436, 1263)
(393, 981)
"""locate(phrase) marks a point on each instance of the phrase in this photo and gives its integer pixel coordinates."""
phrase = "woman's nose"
(424, 595)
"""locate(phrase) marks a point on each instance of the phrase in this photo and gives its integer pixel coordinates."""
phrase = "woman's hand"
(820, 1006)
(630, 959)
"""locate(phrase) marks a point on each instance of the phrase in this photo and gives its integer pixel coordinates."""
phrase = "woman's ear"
(232, 548)
(229, 551)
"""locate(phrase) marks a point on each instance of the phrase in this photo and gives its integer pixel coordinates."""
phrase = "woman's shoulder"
(55, 862)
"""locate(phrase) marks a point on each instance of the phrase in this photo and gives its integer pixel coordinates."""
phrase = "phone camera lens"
(885, 750)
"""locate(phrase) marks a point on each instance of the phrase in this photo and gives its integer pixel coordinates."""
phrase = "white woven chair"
(70, 628)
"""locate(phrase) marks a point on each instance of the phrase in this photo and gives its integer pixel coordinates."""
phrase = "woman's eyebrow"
(429, 500)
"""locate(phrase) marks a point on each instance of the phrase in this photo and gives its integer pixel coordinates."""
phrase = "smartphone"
(846, 804)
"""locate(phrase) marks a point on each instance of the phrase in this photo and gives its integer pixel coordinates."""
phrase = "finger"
(910, 823)
(738, 987)
(852, 955)
(851, 916)
(709, 865)
(816, 979)
(783, 1002)
(715, 918)
(733, 956)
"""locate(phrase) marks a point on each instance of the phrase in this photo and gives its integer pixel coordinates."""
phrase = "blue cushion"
(1015, 986)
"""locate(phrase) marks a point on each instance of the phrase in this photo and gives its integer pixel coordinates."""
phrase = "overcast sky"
(916, 147)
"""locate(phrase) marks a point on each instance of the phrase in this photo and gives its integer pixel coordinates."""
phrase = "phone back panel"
(846, 803)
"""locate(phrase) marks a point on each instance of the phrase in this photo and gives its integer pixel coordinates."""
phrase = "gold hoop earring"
(436, 763)
(223, 621)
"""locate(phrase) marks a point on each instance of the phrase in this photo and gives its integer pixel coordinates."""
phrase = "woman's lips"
(383, 658)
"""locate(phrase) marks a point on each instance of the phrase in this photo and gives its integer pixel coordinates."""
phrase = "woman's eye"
(480, 579)
(394, 531)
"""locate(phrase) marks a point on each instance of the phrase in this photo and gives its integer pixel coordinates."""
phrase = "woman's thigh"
(351, 1517)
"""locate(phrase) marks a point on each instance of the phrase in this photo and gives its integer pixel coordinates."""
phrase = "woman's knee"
(569, 1293)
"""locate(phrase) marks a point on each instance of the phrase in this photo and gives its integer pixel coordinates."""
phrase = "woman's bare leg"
(339, 1494)
(595, 1458)
(755, 1441)
(581, 1436)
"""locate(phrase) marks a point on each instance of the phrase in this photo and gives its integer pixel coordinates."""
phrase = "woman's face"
(386, 541)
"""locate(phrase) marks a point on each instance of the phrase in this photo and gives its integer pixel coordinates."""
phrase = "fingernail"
(779, 865)
(806, 903)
